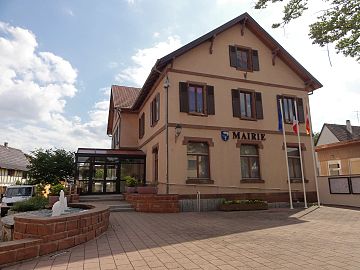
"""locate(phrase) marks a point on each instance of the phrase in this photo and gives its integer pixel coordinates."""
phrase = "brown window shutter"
(232, 54)
(152, 113)
(255, 60)
(183, 97)
(210, 100)
(235, 95)
(258, 106)
(157, 111)
(300, 108)
(142, 125)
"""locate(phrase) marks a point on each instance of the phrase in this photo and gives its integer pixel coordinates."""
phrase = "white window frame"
(331, 162)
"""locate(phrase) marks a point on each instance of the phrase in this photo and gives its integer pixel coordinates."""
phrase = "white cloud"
(34, 87)
(156, 34)
(144, 60)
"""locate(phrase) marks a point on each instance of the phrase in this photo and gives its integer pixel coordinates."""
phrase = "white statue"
(65, 204)
(60, 206)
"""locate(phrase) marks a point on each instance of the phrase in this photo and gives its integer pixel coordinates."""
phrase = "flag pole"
(313, 152)
(286, 155)
(300, 153)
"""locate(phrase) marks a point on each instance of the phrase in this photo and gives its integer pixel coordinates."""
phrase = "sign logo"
(225, 135)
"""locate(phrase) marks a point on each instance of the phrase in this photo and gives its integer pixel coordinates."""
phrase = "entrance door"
(111, 176)
(104, 179)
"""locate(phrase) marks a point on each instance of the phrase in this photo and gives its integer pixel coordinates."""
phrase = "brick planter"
(146, 190)
(154, 203)
(130, 189)
(243, 207)
(36, 236)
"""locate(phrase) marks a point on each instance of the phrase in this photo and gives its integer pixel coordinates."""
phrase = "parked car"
(15, 194)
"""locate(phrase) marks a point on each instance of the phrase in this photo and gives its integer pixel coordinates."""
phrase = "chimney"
(6, 144)
(348, 126)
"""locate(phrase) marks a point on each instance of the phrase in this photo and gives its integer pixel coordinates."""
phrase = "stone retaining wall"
(36, 236)
(154, 203)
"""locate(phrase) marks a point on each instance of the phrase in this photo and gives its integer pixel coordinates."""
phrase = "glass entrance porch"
(102, 171)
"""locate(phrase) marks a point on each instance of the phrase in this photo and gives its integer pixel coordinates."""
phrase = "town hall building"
(206, 120)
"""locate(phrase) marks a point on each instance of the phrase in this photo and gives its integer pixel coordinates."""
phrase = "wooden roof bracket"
(243, 25)
(172, 62)
(309, 85)
(212, 44)
(274, 53)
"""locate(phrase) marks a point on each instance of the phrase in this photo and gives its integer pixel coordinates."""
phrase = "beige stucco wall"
(200, 60)
(129, 130)
(223, 104)
(225, 165)
(336, 199)
(345, 154)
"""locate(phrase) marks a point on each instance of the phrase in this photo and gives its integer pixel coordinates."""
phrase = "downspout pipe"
(166, 88)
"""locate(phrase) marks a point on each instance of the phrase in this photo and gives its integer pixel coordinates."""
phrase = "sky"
(59, 58)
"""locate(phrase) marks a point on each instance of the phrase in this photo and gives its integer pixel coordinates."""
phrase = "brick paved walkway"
(325, 238)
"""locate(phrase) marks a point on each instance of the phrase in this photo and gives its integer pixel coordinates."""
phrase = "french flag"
(295, 125)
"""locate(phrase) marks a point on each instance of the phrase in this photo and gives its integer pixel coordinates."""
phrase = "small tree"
(338, 24)
(316, 137)
(51, 166)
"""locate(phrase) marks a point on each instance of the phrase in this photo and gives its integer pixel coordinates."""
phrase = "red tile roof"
(124, 97)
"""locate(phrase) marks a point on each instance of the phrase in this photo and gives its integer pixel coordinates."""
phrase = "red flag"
(307, 122)
(295, 125)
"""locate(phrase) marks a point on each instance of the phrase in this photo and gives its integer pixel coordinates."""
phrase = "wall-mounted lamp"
(178, 129)
(166, 83)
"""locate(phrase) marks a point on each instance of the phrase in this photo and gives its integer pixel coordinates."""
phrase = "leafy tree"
(50, 166)
(316, 137)
(339, 24)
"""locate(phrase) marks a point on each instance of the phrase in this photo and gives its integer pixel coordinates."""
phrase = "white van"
(15, 194)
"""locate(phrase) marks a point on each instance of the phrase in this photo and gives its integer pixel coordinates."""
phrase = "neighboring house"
(206, 119)
(338, 149)
(13, 165)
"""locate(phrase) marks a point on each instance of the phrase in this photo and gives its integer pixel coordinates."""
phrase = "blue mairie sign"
(225, 135)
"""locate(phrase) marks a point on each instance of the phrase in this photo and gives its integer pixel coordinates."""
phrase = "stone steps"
(115, 202)
(101, 198)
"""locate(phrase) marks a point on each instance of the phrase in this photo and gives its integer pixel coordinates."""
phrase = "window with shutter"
(196, 99)
(247, 104)
(155, 110)
(243, 58)
(142, 126)
(289, 109)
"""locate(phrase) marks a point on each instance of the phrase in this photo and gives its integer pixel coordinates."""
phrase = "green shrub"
(55, 190)
(32, 204)
(130, 181)
(227, 202)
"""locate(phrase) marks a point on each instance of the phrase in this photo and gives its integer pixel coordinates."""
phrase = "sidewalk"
(326, 238)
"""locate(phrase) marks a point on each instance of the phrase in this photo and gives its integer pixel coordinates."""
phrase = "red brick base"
(154, 203)
(36, 236)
